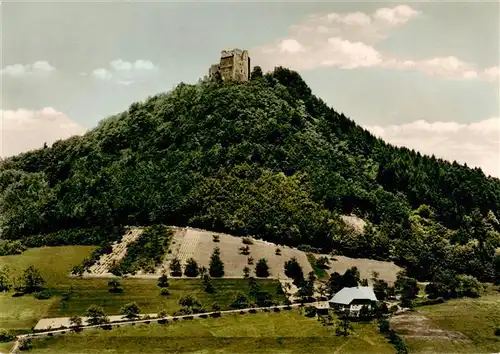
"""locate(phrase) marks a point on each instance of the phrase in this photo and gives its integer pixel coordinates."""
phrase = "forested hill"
(265, 158)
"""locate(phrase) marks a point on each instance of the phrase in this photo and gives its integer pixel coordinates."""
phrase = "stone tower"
(234, 65)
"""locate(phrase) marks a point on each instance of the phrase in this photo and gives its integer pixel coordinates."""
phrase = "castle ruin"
(234, 65)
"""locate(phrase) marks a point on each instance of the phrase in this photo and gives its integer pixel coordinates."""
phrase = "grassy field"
(55, 262)
(474, 318)
(250, 333)
(320, 273)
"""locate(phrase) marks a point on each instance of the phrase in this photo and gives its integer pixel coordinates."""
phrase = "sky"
(419, 74)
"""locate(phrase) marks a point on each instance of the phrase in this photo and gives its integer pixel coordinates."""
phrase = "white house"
(353, 299)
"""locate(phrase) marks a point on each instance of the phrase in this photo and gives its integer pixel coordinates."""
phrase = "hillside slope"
(265, 158)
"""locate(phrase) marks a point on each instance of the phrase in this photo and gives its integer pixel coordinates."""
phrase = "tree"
(191, 268)
(207, 284)
(114, 286)
(96, 315)
(384, 325)
(216, 269)
(175, 267)
(351, 277)
(256, 73)
(240, 301)
(335, 283)
(75, 321)
(263, 298)
(31, 281)
(163, 281)
(407, 287)
(322, 262)
(346, 323)
(5, 283)
(253, 287)
(189, 302)
(306, 288)
(215, 307)
(294, 270)
(262, 269)
(381, 289)
(130, 310)
(279, 289)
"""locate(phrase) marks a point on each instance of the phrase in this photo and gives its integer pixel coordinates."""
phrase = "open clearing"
(18, 313)
(458, 326)
(249, 333)
(199, 244)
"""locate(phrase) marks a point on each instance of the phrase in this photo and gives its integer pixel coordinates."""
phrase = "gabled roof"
(347, 295)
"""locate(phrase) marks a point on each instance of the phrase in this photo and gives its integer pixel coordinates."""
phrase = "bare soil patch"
(417, 326)
(235, 261)
(119, 250)
(387, 270)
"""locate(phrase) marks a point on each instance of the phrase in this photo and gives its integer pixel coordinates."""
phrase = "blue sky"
(424, 75)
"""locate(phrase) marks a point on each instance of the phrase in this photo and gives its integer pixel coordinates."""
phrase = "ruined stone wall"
(234, 65)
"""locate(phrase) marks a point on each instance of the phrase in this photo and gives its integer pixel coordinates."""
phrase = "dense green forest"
(265, 158)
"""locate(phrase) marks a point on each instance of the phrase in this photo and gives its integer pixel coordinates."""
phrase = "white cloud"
(125, 73)
(102, 74)
(353, 18)
(38, 68)
(22, 130)
(396, 15)
(347, 40)
(477, 144)
(291, 46)
(491, 74)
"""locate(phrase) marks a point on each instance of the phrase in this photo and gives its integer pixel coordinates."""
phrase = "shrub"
(131, 310)
(43, 295)
(163, 281)
(245, 250)
(215, 238)
(384, 326)
(322, 262)
(25, 344)
(246, 272)
(247, 241)
(277, 252)
(310, 311)
(114, 286)
(497, 331)
(308, 249)
(164, 292)
(276, 309)
(250, 260)
(5, 336)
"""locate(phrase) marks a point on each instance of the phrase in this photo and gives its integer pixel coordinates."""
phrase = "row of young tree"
(264, 158)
